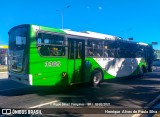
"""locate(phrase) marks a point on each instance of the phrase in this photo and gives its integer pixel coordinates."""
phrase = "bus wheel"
(96, 78)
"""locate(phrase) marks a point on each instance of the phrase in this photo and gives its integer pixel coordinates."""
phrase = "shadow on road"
(119, 93)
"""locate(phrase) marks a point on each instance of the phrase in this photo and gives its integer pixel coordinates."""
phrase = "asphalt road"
(120, 93)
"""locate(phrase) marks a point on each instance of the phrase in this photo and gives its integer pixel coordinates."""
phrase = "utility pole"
(62, 15)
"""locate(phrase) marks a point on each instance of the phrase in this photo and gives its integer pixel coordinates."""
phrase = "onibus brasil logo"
(21, 111)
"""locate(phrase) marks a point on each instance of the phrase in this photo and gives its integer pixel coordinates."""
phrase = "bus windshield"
(17, 45)
(17, 40)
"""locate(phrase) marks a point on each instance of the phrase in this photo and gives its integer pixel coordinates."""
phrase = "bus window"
(17, 39)
(44, 50)
(79, 49)
(56, 51)
(109, 49)
(46, 41)
(50, 44)
(71, 49)
(39, 41)
(90, 52)
(108, 53)
(95, 48)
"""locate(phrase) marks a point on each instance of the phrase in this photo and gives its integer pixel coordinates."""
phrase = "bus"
(44, 56)
(3, 54)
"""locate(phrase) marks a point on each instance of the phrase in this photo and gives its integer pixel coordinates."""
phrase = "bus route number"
(52, 64)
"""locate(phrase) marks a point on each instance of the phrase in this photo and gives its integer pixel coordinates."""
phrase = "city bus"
(3, 54)
(44, 56)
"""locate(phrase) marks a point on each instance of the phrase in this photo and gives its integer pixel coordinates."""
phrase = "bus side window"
(71, 49)
(95, 48)
(39, 41)
(53, 51)
(90, 52)
(61, 51)
(79, 50)
(44, 50)
(51, 44)
(109, 53)
(57, 51)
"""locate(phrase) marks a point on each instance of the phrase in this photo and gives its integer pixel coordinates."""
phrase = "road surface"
(121, 93)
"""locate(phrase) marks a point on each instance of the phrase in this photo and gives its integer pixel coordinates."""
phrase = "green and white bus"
(43, 56)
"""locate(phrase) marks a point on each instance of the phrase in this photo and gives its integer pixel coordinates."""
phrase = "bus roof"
(101, 36)
(90, 34)
(141, 43)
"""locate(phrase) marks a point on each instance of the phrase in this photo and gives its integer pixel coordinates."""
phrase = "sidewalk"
(3, 68)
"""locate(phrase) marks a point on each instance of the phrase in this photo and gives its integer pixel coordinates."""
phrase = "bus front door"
(76, 55)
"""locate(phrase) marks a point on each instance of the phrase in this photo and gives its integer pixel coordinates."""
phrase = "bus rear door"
(76, 56)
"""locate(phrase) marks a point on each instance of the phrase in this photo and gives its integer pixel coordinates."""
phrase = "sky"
(139, 19)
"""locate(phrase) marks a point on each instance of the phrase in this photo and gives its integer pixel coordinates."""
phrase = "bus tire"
(96, 78)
